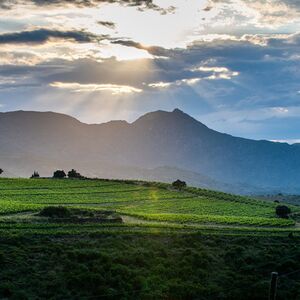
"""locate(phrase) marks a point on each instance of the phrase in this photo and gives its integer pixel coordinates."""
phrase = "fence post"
(273, 286)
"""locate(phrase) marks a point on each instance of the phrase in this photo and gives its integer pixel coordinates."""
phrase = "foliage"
(55, 212)
(59, 174)
(147, 267)
(74, 174)
(35, 175)
(283, 211)
(1, 171)
(178, 184)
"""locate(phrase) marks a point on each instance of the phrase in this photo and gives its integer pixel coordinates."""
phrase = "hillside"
(159, 145)
(143, 203)
(114, 239)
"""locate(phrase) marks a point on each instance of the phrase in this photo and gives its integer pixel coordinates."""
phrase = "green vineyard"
(142, 206)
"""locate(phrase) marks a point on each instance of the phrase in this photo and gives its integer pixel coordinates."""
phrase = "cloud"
(160, 84)
(289, 141)
(243, 63)
(261, 13)
(154, 50)
(41, 36)
(142, 4)
(215, 74)
(78, 88)
(19, 58)
(107, 24)
(276, 12)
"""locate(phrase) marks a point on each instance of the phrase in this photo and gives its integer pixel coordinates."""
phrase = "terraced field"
(144, 207)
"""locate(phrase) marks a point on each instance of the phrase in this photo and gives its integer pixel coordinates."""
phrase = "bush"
(282, 211)
(55, 212)
(74, 174)
(178, 184)
(59, 174)
(35, 175)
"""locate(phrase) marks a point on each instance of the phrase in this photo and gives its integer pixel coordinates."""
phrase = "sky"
(231, 64)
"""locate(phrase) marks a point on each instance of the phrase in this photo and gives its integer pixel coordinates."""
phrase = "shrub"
(178, 184)
(282, 211)
(59, 174)
(55, 212)
(35, 175)
(74, 174)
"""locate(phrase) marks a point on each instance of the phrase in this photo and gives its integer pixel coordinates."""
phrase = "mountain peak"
(177, 110)
(162, 119)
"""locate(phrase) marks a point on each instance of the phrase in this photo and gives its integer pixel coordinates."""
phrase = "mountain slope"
(157, 145)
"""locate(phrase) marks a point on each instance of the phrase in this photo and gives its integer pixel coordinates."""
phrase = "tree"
(282, 211)
(179, 185)
(59, 174)
(35, 175)
(1, 171)
(74, 174)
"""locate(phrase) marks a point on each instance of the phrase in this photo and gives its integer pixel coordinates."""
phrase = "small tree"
(179, 185)
(74, 174)
(59, 174)
(282, 211)
(35, 175)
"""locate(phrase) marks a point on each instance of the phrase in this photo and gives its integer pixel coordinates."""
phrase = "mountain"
(158, 146)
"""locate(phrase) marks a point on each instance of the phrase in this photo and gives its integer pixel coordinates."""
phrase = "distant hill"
(158, 146)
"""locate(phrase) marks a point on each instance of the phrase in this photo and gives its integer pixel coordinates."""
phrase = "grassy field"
(190, 244)
(148, 204)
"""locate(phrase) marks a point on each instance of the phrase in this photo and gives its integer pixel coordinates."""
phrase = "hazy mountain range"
(161, 146)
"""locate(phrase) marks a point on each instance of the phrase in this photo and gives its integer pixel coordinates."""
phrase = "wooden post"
(273, 286)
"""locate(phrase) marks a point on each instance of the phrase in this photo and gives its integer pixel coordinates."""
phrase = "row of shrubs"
(61, 174)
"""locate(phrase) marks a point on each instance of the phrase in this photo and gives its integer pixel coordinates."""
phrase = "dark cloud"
(207, 8)
(41, 36)
(262, 67)
(5, 5)
(141, 4)
(92, 2)
(267, 73)
(10, 3)
(293, 3)
(154, 50)
(107, 24)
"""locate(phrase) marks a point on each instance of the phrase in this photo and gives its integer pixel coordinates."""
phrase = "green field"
(190, 244)
(147, 204)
